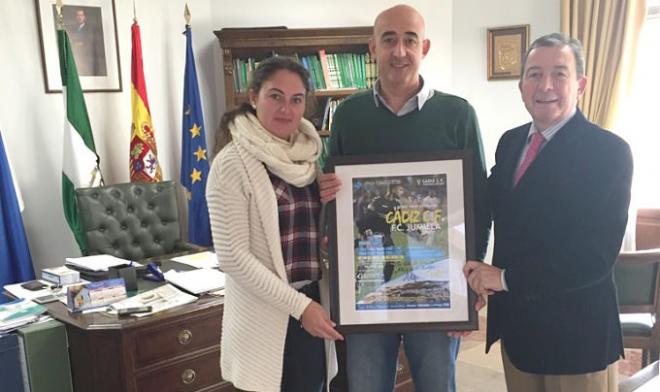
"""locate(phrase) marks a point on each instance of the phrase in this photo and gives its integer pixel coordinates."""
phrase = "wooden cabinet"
(176, 350)
(261, 43)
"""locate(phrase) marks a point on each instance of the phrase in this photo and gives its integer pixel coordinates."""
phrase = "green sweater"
(446, 122)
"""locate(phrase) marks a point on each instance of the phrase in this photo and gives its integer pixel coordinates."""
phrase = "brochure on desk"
(161, 298)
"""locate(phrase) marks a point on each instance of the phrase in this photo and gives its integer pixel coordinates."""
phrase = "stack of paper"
(197, 281)
(18, 313)
(199, 260)
(98, 262)
(18, 291)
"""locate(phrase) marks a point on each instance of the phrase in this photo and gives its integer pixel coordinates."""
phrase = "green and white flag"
(80, 164)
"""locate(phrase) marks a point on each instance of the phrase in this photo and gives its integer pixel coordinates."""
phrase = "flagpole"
(134, 13)
(60, 18)
(186, 14)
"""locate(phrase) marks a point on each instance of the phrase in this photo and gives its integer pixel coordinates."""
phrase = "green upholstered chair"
(135, 221)
(637, 277)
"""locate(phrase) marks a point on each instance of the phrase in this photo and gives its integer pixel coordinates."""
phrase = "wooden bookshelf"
(261, 43)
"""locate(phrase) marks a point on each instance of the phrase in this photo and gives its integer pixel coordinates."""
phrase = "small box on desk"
(95, 294)
(60, 275)
(129, 274)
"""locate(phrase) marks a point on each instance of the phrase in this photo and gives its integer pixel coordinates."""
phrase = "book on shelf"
(327, 71)
(323, 58)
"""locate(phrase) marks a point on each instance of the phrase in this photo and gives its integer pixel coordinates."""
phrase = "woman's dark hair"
(264, 72)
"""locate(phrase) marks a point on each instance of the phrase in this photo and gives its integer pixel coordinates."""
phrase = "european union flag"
(194, 161)
(15, 259)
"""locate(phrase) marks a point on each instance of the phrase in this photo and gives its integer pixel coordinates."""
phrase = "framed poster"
(401, 230)
(506, 48)
(92, 29)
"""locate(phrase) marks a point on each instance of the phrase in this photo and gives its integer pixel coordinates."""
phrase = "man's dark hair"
(561, 40)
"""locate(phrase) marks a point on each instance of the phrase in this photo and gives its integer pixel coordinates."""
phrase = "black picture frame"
(94, 44)
(409, 278)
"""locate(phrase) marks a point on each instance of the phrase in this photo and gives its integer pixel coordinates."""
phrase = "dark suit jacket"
(557, 234)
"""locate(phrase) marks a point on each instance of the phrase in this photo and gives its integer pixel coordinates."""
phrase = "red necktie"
(532, 152)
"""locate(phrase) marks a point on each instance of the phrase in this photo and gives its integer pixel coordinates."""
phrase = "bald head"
(399, 12)
(399, 45)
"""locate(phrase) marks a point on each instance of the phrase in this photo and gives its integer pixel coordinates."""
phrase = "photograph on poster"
(401, 242)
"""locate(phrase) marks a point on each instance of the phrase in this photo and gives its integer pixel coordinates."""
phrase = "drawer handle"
(185, 337)
(188, 376)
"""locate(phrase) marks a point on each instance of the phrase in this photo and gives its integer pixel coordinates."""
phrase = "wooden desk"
(175, 350)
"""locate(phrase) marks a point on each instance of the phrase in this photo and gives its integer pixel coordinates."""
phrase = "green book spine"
(363, 72)
(318, 69)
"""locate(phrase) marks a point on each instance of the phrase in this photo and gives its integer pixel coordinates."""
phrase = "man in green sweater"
(403, 114)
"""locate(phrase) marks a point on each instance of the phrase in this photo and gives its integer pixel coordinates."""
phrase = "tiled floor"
(480, 372)
(477, 371)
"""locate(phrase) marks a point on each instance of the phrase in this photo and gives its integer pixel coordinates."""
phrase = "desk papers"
(18, 313)
(199, 260)
(19, 292)
(161, 298)
(197, 281)
(98, 263)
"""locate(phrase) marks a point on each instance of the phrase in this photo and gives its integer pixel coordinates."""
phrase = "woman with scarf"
(264, 206)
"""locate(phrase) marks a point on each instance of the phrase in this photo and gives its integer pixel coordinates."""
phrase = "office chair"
(637, 278)
(134, 221)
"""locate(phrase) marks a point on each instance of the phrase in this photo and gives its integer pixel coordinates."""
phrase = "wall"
(497, 103)
(33, 120)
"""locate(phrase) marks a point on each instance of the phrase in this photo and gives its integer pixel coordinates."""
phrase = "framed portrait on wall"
(506, 48)
(92, 30)
(400, 230)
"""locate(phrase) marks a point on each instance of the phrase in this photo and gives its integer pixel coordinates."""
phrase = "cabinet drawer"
(173, 339)
(187, 376)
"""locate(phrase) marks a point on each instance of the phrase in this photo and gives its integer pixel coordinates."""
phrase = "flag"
(80, 164)
(194, 155)
(143, 161)
(15, 259)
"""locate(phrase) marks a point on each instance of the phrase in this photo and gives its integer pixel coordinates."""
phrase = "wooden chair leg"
(654, 354)
(645, 358)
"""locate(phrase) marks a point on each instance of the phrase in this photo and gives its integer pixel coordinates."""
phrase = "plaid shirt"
(298, 210)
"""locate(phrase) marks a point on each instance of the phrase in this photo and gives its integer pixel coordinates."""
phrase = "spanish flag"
(144, 165)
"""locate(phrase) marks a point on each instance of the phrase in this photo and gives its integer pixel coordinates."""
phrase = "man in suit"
(87, 44)
(559, 194)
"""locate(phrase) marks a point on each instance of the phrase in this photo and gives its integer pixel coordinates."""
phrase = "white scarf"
(292, 160)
